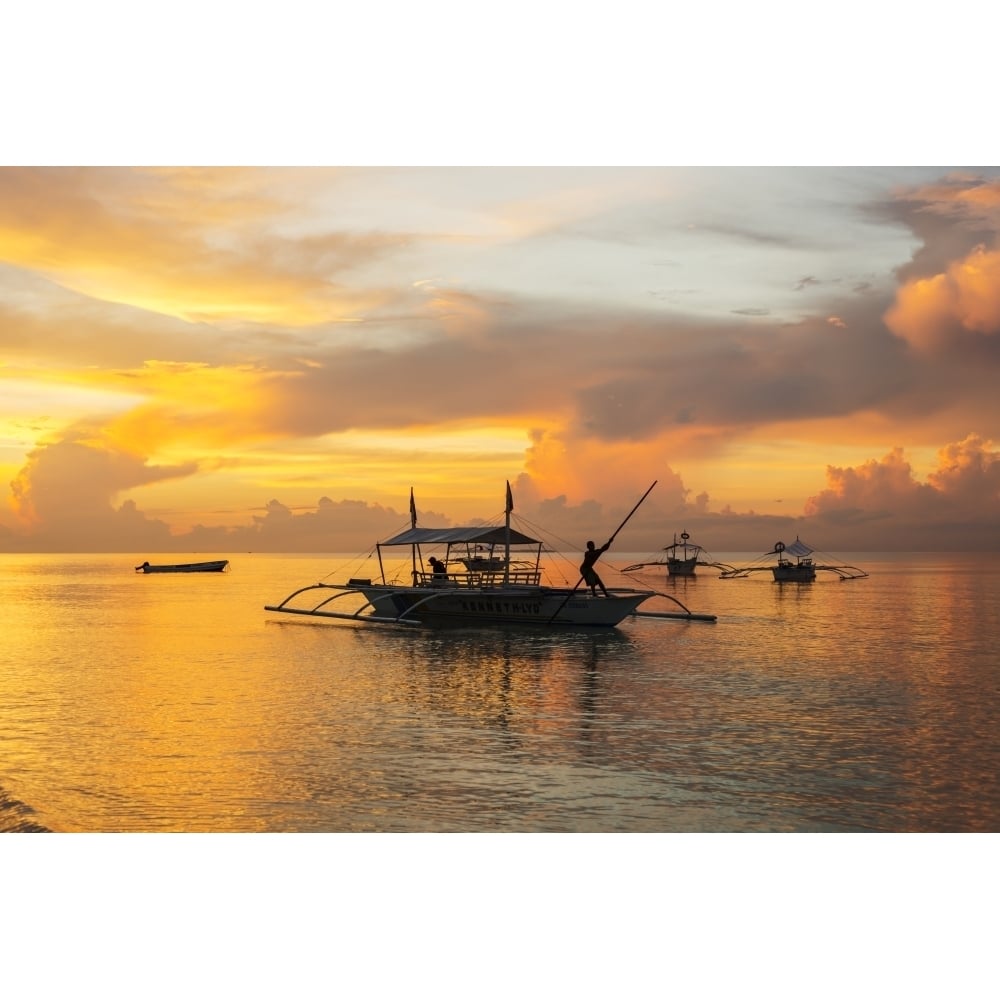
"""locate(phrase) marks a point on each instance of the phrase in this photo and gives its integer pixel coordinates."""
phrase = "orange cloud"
(72, 482)
(966, 482)
(583, 468)
(967, 195)
(970, 470)
(966, 297)
(189, 243)
(192, 405)
(443, 376)
(872, 482)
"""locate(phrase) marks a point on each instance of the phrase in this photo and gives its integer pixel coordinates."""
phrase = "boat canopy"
(483, 534)
(798, 548)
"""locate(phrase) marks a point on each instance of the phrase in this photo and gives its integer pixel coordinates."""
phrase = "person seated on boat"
(587, 570)
(439, 569)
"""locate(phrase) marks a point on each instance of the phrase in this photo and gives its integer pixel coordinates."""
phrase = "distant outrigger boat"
(682, 557)
(211, 566)
(802, 570)
(500, 582)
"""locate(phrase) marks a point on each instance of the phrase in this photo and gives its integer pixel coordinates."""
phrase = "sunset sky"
(256, 358)
(269, 358)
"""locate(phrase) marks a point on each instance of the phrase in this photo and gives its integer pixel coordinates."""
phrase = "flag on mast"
(510, 498)
(413, 510)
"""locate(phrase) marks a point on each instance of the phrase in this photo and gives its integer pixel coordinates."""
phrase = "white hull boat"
(489, 574)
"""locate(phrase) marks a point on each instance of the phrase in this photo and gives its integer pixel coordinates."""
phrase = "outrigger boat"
(490, 574)
(802, 570)
(682, 558)
(211, 566)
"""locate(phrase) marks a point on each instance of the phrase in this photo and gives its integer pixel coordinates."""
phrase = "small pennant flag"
(413, 510)
(510, 498)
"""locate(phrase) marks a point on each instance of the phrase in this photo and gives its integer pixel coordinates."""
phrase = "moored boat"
(488, 574)
(802, 570)
(796, 564)
(681, 558)
(210, 566)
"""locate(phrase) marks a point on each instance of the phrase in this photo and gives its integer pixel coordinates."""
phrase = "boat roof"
(483, 534)
(798, 548)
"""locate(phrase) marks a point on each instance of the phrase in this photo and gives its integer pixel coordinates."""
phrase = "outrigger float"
(489, 574)
(802, 570)
(681, 559)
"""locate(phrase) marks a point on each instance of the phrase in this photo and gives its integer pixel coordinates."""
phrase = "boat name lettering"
(502, 607)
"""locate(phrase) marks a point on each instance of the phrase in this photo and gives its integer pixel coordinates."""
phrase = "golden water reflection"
(141, 703)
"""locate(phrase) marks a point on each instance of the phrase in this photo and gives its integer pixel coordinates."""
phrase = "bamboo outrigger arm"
(685, 615)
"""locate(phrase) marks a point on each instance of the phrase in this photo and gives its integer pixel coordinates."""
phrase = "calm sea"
(176, 703)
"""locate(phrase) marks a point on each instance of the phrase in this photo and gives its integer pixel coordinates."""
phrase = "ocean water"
(177, 703)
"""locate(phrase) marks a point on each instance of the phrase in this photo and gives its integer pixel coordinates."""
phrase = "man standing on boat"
(587, 570)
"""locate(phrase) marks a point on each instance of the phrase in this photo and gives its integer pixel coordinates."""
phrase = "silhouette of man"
(587, 570)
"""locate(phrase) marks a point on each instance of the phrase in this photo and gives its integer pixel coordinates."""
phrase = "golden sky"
(269, 358)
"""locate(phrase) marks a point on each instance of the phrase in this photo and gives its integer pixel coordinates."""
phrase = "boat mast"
(509, 506)
(413, 547)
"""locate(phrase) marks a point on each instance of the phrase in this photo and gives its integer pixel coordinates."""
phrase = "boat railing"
(476, 580)
(481, 564)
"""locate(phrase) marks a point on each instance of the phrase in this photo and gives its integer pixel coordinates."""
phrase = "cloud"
(227, 310)
(968, 473)
(435, 356)
(949, 293)
(63, 497)
(953, 308)
(70, 488)
(334, 526)
(949, 218)
(710, 382)
(877, 486)
(211, 243)
(955, 507)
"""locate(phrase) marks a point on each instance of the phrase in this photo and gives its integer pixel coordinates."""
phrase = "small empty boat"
(212, 566)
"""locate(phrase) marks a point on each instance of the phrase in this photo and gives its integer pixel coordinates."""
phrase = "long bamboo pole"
(607, 546)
